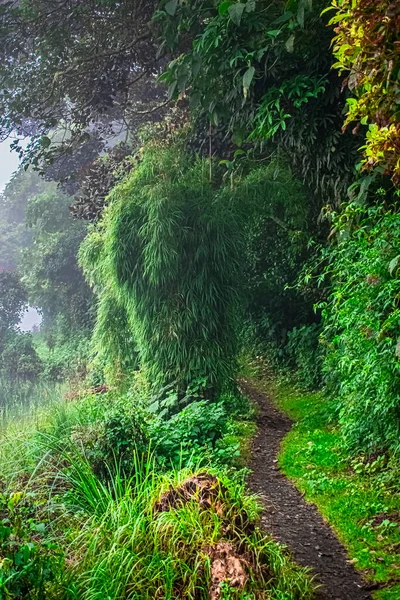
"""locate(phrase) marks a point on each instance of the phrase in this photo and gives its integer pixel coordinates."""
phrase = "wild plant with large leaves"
(261, 71)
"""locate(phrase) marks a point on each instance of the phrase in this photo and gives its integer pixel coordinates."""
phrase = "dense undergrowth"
(238, 215)
(100, 498)
(357, 494)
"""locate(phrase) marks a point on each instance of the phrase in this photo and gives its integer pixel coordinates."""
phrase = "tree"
(13, 300)
(19, 359)
(366, 47)
(177, 260)
(261, 71)
(49, 266)
(168, 252)
(79, 62)
(41, 238)
(14, 235)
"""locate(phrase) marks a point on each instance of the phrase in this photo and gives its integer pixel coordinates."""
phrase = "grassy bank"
(357, 495)
(100, 498)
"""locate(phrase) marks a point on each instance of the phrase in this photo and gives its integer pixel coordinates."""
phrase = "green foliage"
(113, 345)
(305, 354)
(188, 254)
(361, 324)
(170, 257)
(97, 179)
(13, 233)
(247, 36)
(109, 431)
(19, 359)
(165, 264)
(21, 399)
(113, 340)
(272, 113)
(30, 564)
(13, 299)
(110, 525)
(189, 435)
(276, 223)
(366, 48)
(259, 71)
(12, 238)
(49, 267)
(48, 276)
(65, 354)
(110, 439)
(129, 545)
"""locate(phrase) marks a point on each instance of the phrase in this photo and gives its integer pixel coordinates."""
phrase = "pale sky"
(8, 162)
(30, 318)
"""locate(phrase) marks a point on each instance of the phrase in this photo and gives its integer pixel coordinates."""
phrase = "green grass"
(357, 495)
(127, 549)
(89, 536)
(22, 400)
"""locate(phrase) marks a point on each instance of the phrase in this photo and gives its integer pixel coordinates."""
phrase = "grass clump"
(155, 536)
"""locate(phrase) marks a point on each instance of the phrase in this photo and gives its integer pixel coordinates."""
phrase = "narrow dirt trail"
(289, 518)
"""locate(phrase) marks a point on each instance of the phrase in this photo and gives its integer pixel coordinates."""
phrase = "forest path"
(289, 518)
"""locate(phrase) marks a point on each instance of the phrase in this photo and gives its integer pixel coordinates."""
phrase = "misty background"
(9, 162)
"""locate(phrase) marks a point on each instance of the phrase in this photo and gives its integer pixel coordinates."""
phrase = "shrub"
(30, 565)
(305, 353)
(188, 435)
(67, 360)
(19, 359)
(64, 355)
(169, 258)
(123, 432)
(106, 429)
(361, 325)
(237, 405)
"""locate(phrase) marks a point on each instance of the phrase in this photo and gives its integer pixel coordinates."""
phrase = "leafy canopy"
(367, 49)
(13, 300)
(77, 63)
(261, 71)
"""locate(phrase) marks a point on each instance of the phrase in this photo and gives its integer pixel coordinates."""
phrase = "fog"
(31, 319)
(8, 163)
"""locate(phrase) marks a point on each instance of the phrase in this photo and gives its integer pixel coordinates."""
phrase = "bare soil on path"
(290, 519)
